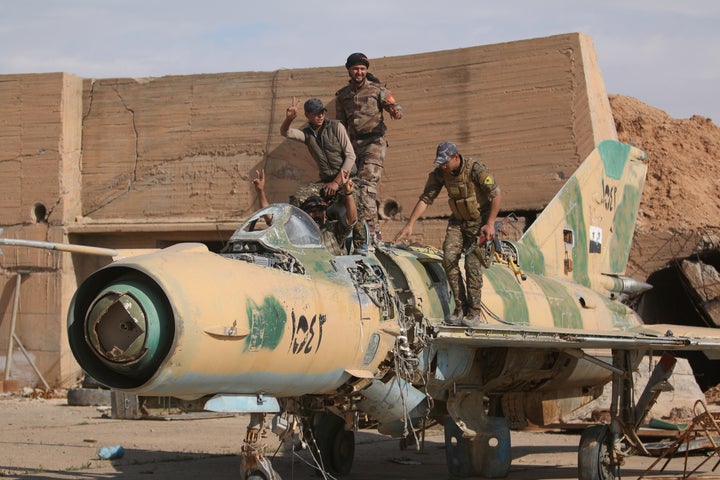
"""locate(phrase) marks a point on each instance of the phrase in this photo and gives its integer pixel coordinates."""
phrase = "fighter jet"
(313, 344)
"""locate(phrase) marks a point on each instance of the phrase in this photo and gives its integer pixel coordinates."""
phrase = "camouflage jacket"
(361, 110)
(470, 190)
(334, 234)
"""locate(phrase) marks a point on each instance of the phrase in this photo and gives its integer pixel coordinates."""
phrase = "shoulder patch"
(488, 180)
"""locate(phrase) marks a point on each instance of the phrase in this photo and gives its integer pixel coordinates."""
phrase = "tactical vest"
(463, 201)
(326, 150)
(363, 110)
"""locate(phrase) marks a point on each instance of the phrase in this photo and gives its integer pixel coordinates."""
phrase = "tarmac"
(48, 439)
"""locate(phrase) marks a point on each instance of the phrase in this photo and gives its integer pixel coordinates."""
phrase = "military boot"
(361, 249)
(473, 319)
(456, 317)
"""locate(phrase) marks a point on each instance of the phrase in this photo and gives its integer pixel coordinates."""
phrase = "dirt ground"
(47, 439)
(682, 190)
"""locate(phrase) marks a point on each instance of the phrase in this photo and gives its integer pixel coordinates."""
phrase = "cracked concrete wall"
(147, 162)
(187, 146)
(40, 170)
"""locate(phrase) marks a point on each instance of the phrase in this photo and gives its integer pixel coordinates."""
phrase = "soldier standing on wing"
(474, 200)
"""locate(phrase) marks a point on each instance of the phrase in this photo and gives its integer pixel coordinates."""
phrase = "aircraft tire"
(336, 445)
(593, 454)
(343, 451)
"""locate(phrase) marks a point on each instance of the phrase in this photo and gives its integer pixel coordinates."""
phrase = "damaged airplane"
(307, 342)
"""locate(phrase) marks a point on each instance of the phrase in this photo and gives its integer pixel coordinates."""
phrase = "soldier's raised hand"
(259, 180)
(347, 183)
(291, 111)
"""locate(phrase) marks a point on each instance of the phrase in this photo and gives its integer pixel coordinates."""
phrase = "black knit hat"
(357, 59)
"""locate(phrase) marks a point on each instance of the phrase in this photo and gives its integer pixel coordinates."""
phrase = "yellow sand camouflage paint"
(421, 275)
(275, 317)
(237, 326)
(243, 328)
(602, 195)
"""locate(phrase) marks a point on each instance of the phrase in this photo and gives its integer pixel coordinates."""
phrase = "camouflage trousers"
(305, 191)
(459, 236)
(335, 207)
(370, 160)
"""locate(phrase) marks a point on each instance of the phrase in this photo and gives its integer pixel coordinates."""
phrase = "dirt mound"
(682, 190)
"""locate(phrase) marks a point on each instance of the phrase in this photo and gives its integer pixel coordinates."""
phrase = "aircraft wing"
(647, 337)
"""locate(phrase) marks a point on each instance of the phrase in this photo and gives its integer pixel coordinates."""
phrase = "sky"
(666, 53)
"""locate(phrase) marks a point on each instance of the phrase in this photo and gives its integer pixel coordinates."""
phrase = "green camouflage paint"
(614, 156)
(619, 313)
(572, 201)
(267, 324)
(505, 284)
(530, 257)
(565, 309)
(624, 228)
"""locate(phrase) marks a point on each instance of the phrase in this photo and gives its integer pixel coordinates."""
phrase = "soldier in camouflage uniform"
(329, 144)
(360, 106)
(474, 200)
(334, 231)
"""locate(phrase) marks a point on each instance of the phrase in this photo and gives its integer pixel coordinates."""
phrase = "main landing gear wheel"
(594, 454)
(336, 445)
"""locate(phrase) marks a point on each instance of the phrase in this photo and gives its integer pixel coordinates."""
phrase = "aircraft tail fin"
(585, 232)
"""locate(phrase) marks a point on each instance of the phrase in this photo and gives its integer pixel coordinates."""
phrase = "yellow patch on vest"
(488, 180)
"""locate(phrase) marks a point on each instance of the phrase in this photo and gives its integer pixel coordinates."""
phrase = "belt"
(365, 136)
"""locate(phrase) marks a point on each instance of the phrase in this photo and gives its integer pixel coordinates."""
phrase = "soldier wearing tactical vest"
(359, 106)
(329, 144)
(474, 200)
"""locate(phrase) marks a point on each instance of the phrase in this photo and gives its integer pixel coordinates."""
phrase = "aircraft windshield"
(278, 225)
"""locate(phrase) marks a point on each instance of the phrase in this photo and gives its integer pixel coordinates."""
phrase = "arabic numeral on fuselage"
(306, 335)
(609, 193)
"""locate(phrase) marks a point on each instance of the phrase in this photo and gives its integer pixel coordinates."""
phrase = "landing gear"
(594, 454)
(475, 444)
(334, 447)
(487, 455)
(254, 465)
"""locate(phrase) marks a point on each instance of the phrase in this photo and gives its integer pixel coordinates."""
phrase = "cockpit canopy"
(278, 227)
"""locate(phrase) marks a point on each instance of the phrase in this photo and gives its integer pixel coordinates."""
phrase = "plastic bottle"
(111, 453)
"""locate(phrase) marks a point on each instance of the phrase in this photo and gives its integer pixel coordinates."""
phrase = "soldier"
(329, 144)
(474, 200)
(360, 106)
(334, 232)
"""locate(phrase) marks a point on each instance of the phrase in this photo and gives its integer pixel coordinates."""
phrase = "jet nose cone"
(116, 327)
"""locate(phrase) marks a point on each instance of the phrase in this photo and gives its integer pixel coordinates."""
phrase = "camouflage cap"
(445, 151)
(313, 201)
(314, 105)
